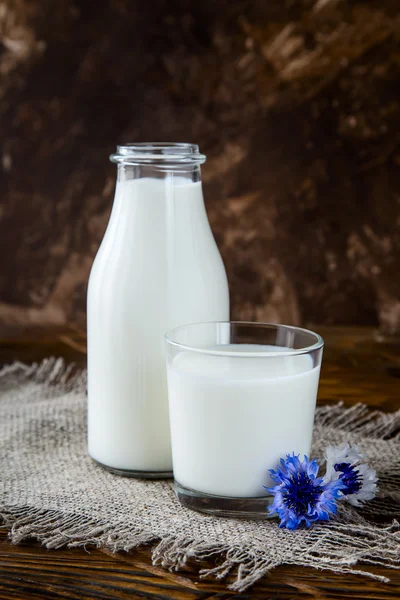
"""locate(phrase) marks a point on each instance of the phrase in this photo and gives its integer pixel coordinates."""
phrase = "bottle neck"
(127, 172)
(159, 199)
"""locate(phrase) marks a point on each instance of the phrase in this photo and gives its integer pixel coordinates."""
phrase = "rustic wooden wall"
(296, 103)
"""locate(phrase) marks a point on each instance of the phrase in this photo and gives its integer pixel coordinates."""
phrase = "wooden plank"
(30, 571)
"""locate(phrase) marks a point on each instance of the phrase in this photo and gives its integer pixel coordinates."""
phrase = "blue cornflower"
(346, 463)
(299, 495)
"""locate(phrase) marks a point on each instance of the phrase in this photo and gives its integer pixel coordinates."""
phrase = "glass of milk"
(241, 396)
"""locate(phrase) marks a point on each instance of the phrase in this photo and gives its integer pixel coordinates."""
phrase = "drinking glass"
(241, 396)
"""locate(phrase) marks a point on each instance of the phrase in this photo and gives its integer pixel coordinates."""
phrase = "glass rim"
(319, 343)
(175, 153)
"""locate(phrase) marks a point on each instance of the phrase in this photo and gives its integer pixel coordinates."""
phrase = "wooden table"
(360, 365)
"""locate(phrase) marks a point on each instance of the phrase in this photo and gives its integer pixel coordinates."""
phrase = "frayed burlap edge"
(364, 542)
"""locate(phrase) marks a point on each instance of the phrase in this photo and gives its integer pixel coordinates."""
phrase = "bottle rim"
(161, 153)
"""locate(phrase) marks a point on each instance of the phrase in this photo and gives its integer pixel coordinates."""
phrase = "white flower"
(347, 463)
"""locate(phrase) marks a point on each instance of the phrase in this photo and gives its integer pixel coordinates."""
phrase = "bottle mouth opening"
(161, 153)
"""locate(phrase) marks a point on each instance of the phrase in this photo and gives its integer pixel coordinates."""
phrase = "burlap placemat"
(52, 491)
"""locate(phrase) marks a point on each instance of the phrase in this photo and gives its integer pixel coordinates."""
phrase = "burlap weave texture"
(51, 490)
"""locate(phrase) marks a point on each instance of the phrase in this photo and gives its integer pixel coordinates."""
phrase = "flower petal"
(300, 496)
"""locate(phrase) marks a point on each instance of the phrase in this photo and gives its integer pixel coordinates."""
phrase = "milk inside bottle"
(158, 266)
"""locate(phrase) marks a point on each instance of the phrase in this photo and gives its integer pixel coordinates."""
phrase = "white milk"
(232, 419)
(158, 267)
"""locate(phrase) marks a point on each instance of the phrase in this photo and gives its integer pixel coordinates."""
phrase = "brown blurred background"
(296, 103)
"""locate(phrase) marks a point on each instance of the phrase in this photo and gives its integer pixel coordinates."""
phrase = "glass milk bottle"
(158, 267)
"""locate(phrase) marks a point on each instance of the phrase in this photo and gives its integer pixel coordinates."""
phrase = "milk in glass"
(234, 416)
